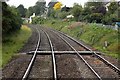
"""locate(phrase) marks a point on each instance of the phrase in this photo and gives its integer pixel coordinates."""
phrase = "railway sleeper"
(62, 52)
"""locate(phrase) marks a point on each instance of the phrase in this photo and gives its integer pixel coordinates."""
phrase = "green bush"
(11, 20)
(76, 11)
(38, 20)
(62, 15)
(109, 19)
(96, 17)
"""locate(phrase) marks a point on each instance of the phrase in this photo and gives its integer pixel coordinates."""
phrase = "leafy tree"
(112, 15)
(62, 14)
(21, 10)
(110, 19)
(96, 17)
(76, 11)
(11, 20)
(118, 13)
(39, 7)
(52, 13)
(86, 11)
(113, 7)
(30, 11)
(38, 20)
(96, 7)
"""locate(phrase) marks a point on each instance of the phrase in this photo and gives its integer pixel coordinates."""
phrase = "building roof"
(51, 4)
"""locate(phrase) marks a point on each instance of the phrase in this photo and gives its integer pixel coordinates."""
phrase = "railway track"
(74, 50)
(80, 56)
(98, 57)
(53, 57)
(32, 59)
(27, 72)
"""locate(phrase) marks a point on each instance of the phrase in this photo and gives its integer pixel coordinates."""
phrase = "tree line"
(11, 20)
(91, 12)
(12, 16)
(99, 12)
(38, 9)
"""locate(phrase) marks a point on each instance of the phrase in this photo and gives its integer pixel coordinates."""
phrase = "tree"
(21, 10)
(118, 14)
(86, 11)
(39, 7)
(76, 11)
(96, 7)
(113, 7)
(62, 14)
(110, 19)
(30, 11)
(96, 17)
(11, 20)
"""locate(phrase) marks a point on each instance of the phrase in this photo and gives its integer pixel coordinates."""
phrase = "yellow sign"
(57, 6)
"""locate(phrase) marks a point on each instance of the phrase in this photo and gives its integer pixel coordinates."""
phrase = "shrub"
(11, 20)
(62, 15)
(38, 20)
(109, 19)
(96, 17)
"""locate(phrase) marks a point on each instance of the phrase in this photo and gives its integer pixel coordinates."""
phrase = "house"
(70, 16)
(31, 18)
(51, 4)
(67, 9)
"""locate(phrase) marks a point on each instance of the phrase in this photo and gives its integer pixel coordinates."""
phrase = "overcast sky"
(28, 3)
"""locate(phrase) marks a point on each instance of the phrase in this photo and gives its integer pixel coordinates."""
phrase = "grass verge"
(102, 39)
(95, 35)
(13, 43)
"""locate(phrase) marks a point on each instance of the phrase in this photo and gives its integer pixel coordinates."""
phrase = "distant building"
(70, 16)
(31, 18)
(50, 7)
(67, 9)
(51, 4)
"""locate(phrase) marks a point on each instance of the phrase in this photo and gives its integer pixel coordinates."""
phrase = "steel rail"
(80, 57)
(33, 58)
(53, 56)
(100, 57)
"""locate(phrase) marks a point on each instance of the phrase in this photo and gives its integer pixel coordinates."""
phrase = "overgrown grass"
(56, 24)
(91, 34)
(13, 43)
(96, 36)
(0, 56)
